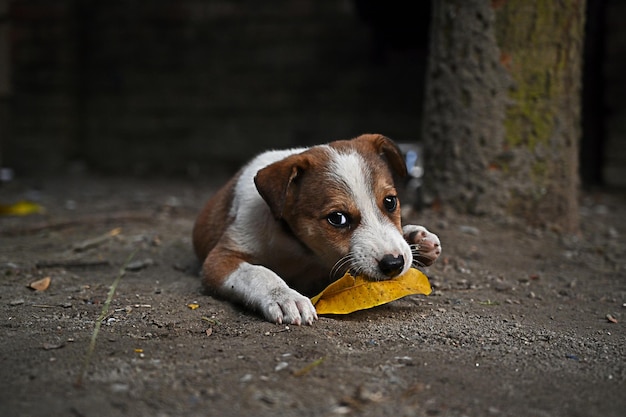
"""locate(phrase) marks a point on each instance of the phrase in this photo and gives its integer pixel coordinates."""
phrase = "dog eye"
(391, 203)
(338, 219)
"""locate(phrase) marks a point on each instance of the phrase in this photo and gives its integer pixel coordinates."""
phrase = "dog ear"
(389, 151)
(276, 181)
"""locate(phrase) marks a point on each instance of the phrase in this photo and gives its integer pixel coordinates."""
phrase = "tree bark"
(502, 108)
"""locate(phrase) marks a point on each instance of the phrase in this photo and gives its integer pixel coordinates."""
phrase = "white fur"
(263, 290)
(376, 236)
(249, 208)
(256, 285)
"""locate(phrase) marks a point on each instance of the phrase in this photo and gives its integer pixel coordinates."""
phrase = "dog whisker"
(417, 263)
(343, 262)
(341, 266)
(356, 271)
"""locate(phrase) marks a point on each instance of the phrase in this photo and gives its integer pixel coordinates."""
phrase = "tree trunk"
(502, 109)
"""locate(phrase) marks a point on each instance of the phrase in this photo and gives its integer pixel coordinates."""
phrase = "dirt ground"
(522, 322)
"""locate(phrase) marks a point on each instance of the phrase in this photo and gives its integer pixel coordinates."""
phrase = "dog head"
(340, 201)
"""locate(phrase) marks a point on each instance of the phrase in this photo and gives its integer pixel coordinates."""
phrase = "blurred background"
(191, 88)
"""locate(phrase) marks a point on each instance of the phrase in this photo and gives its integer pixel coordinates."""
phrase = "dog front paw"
(287, 306)
(425, 245)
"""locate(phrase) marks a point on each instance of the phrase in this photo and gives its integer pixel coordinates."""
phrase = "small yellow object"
(41, 284)
(21, 208)
(138, 350)
(349, 294)
(308, 368)
(193, 306)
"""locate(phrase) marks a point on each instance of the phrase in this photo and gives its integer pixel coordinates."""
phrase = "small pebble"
(281, 366)
(139, 264)
(503, 286)
(119, 388)
(51, 346)
(470, 230)
(70, 205)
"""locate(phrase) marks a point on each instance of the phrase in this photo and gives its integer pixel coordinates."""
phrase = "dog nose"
(391, 265)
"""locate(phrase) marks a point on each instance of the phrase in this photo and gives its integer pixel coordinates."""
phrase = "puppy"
(293, 221)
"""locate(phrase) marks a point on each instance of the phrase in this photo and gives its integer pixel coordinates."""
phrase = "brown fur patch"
(219, 264)
(213, 219)
(276, 182)
(296, 191)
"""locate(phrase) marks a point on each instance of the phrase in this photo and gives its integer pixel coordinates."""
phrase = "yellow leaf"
(41, 284)
(193, 306)
(343, 283)
(21, 208)
(350, 293)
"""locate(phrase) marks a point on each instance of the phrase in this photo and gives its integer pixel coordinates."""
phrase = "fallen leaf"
(96, 241)
(41, 284)
(193, 306)
(611, 319)
(349, 294)
(21, 208)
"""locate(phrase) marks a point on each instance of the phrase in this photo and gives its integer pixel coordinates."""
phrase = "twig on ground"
(308, 368)
(119, 217)
(96, 241)
(103, 314)
(71, 263)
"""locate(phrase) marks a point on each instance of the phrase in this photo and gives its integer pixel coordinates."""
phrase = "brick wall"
(192, 86)
(197, 86)
(42, 115)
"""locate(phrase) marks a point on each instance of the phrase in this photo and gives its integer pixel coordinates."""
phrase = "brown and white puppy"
(292, 221)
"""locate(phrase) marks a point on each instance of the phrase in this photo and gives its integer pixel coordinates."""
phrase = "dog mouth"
(389, 267)
(368, 277)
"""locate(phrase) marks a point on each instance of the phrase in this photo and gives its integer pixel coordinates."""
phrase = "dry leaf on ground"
(41, 284)
(21, 208)
(349, 294)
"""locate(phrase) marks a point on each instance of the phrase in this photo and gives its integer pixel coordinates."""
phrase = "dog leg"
(425, 245)
(257, 287)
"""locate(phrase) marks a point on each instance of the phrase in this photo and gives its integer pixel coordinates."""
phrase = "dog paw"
(287, 306)
(425, 245)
